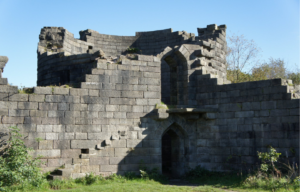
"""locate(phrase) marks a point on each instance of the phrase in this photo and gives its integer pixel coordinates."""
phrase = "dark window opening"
(65, 77)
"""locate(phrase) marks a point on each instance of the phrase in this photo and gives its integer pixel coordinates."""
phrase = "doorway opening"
(174, 152)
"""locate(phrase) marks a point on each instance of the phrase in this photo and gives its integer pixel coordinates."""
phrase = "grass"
(124, 185)
(200, 181)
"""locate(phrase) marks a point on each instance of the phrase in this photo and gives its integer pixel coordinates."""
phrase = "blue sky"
(272, 24)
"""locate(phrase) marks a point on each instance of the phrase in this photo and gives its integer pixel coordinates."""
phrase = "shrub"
(88, 179)
(16, 165)
(132, 50)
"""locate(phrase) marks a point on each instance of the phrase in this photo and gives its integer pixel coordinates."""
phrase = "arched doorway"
(174, 151)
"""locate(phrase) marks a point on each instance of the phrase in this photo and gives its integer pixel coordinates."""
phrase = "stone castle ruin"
(111, 119)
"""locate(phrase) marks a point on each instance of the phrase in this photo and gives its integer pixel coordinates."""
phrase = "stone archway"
(174, 148)
(174, 76)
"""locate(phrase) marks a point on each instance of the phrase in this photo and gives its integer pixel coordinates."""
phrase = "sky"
(272, 24)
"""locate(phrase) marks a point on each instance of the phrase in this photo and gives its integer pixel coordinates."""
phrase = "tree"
(295, 77)
(275, 68)
(241, 54)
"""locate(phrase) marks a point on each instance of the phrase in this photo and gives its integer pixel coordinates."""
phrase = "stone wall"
(115, 121)
(60, 55)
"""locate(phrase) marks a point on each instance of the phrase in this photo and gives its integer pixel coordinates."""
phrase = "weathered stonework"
(110, 125)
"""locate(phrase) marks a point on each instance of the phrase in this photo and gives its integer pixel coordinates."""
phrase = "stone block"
(122, 152)
(141, 101)
(12, 120)
(80, 144)
(295, 111)
(32, 120)
(94, 100)
(132, 94)
(106, 152)
(70, 153)
(61, 144)
(33, 136)
(37, 113)
(78, 175)
(110, 93)
(94, 93)
(31, 144)
(50, 121)
(27, 105)
(262, 113)
(112, 108)
(46, 144)
(18, 113)
(230, 107)
(134, 143)
(279, 112)
(78, 107)
(119, 115)
(294, 103)
(4, 96)
(59, 162)
(54, 153)
(63, 106)
(18, 97)
(152, 95)
(132, 135)
(47, 106)
(79, 92)
(8, 105)
(55, 114)
(61, 91)
(268, 105)
(72, 114)
(42, 90)
(122, 101)
(240, 114)
(99, 161)
(116, 160)
(250, 106)
(26, 128)
(44, 128)
(51, 136)
(89, 168)
(99, 136)
(137, 109)
(89, 114)
(130, 80)
(66, 136)
(80, 135)
(106, 168)
(36, 98)
(138, 160)
(118, 143)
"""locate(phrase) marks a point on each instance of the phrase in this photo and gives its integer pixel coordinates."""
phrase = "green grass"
(197, 179)
(130, 185)
(216, 183)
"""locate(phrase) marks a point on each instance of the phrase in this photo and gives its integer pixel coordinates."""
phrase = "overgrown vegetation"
(17, 167)
(243, 59)
(275, 68)
(24, 90)
(132, 50)
(272, 175)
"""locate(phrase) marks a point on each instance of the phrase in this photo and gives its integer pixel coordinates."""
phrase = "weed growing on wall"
(17, 167)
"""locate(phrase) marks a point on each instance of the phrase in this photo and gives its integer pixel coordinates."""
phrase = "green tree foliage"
(268, 159)
(275, 68)
(17, 167)
(295, 77)
(237, 76)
